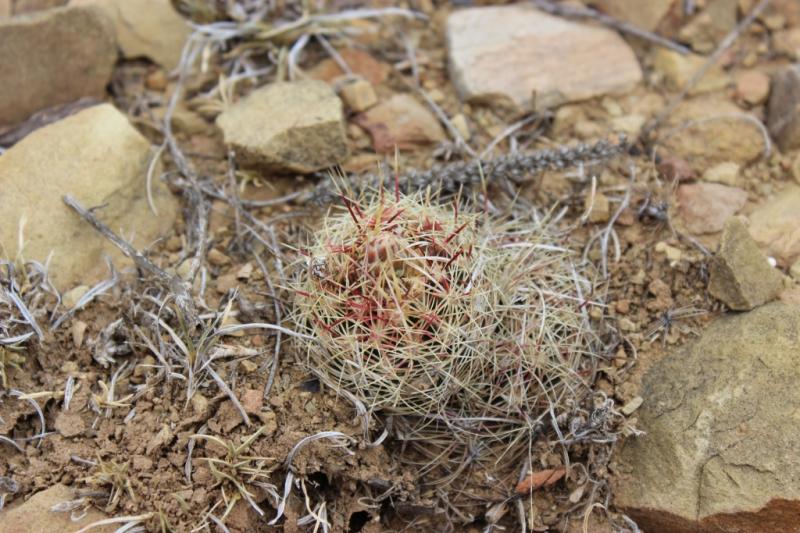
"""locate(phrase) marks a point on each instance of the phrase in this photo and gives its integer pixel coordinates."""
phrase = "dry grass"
(470, 332)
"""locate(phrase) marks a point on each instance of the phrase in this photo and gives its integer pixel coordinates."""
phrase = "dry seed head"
(466, 328)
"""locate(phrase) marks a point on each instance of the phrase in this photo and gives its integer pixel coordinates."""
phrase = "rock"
(183, 119)
(719, 450)
(645, 15)
(598, 207)
(461, 125)
(71, 298)
(674, 169)
(678, 69)
(287, 127)
(35, 515)
(75, 60)
(358, 94)
(710, 26)
(794, 270)
(159, 440)
(787, 42)
(783, 111)
(400, 121)
(705, 207)
(629, 124)
(100, 159)
(69, 424)
(740, 274)
(726, 173)
(78, 331)
(788, 9)
(252, 401)
(752, 86)
(796, 169)
(775, 226)
(29, 6)
(707, 131)
(629, 408)
(360, 63)
(534, 59)
(146, 28)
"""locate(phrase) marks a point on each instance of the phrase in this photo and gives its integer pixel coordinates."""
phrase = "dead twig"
(571, 11)
(176, 285)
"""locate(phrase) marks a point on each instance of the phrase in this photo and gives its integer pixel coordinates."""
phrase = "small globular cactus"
(456, 324)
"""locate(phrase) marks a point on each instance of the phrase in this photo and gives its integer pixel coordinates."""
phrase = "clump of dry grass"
(471, 332)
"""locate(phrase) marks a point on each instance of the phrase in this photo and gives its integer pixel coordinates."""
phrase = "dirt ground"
(143, 448)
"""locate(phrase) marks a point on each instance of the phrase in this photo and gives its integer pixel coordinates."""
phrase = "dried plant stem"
(183, 297)
(565, 10)
(450, 179)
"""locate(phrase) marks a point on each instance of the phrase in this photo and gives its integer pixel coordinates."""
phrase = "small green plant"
(113, 474)
(235, 471)
(9, 358)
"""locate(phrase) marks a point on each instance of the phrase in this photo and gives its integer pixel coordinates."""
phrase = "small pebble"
(630, 407)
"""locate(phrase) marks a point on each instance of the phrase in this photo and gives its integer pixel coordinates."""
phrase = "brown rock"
(35, 515)
(787, 42)
(75, 60)
(400, 121)
(710, 25)
(252, 401)
(674, 169)
(360, 63)
(69, 424)
(740, 274)
(783, 111)
(100, 159)
(533, 59)
(705, 207)
(159, 440)
(358, 94)
(679, 69)
(718, 454)
(752, 86)
(707, 131)
(598, 206)
(287, 127)
(645, 15)
(726, 173)
(775, 226)
(146, 28)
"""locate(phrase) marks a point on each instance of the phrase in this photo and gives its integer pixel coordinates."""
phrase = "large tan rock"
(287, 127)
(775, 225)
(100, 159)
(35, 515)
(739, 273)
(146, 28)
(722, 432)
(53, 57)
(519, 53)
(706, 131)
